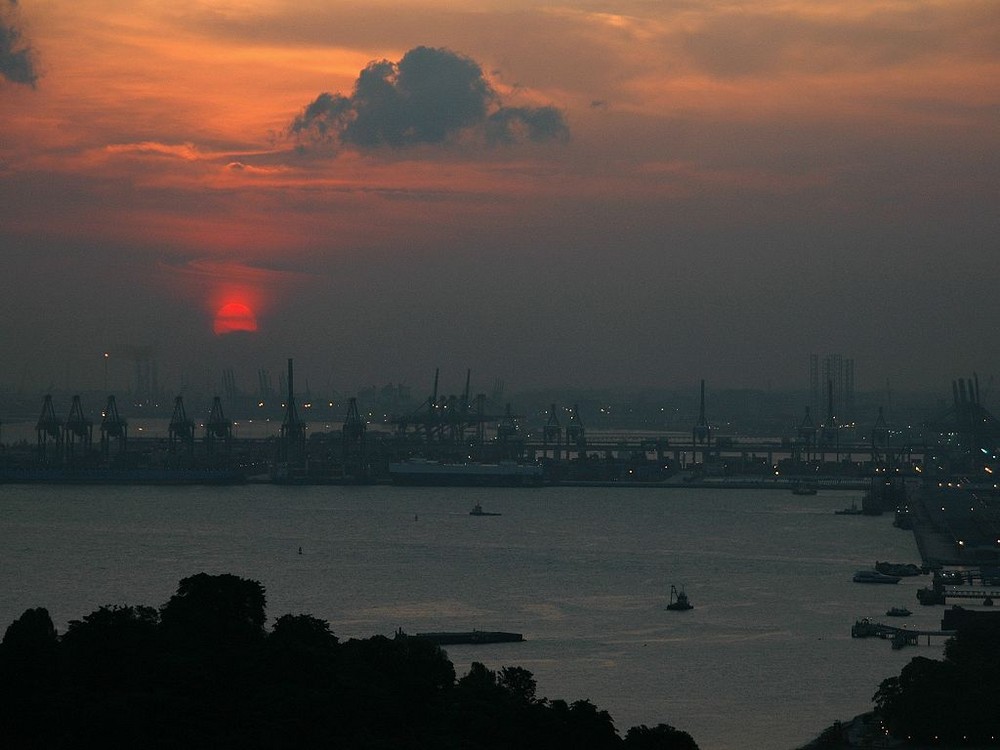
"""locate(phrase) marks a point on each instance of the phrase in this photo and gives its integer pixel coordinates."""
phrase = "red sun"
(234, 316)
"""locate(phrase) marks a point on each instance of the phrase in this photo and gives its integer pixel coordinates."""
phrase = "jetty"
(471, 637)
(899, 637)
(941, 594)
(961, 584)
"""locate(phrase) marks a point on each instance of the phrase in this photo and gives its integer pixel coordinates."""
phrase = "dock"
(940, 595)
(471, 637)
(898, 636)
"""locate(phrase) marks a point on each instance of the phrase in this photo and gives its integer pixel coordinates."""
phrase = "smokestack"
(291, 389)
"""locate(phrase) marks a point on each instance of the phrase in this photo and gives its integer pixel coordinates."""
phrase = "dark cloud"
(537, 124)
(16, 60)
(431, 96)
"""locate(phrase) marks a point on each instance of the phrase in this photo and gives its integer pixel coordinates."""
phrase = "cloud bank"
(431, 96)
(16, 60)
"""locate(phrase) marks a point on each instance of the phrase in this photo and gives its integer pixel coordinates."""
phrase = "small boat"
(898, 612)
(678, 600)
(477, 510)
(873, 576)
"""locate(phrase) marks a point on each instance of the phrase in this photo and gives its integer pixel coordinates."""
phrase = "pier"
(899, 637)
(940, 595)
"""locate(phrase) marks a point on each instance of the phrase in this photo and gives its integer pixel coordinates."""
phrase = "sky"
(629, 193)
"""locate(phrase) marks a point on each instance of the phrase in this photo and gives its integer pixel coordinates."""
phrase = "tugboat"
(477, 510)
(854, 510)
(678, 600)
(898, 612)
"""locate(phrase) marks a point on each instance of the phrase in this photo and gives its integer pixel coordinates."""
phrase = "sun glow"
(234, 316)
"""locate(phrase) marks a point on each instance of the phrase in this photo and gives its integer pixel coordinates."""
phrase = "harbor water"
(764, 660)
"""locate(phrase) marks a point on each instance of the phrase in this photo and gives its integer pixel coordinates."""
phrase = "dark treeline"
(202, 671)
(947, 703)
(954, 700)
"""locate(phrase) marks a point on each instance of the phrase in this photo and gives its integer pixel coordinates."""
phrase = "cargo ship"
(418, 471)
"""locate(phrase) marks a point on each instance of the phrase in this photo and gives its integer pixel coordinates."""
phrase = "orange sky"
(752, 146)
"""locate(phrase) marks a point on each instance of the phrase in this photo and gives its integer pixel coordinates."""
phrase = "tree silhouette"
(216, 612)
(950, 700)
(519, 683)
(29, 675)
(660, 737)
(113, 666)
(114, 645)
(203, 672)
(302, 632)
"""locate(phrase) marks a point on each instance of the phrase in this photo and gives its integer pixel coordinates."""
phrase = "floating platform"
(471, 637)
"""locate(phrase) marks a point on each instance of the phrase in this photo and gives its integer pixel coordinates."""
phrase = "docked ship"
(897, 569)
(417, 471)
